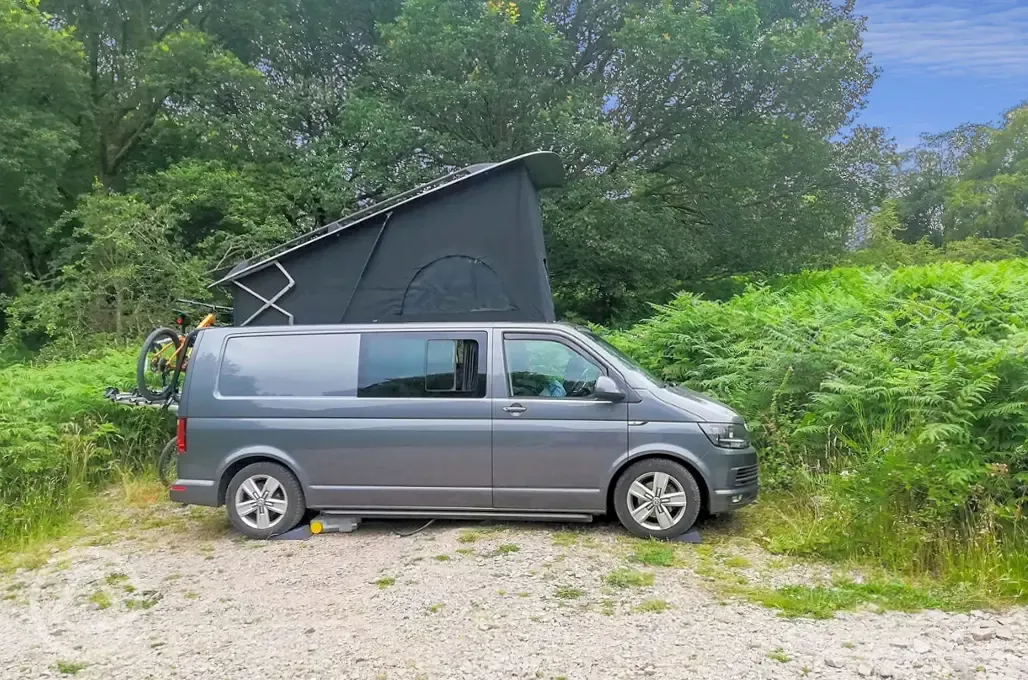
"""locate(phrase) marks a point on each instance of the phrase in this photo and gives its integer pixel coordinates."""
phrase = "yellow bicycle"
(165, 353)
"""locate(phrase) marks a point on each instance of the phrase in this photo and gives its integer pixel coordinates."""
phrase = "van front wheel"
(657, 498)
(264, 500)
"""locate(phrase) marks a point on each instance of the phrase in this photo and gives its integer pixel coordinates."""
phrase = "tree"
(927, 174)
(127, 268)
(148, 62)
(701, 139)
(42, 106)
(991, 197)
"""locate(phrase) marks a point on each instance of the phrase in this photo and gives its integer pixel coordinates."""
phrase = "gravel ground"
(190, 600)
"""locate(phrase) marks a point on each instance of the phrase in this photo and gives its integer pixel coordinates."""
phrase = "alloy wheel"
(656, 500)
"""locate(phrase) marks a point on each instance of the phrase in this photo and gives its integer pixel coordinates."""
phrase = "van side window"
(548, 369)
(289, 365)
(421, 366)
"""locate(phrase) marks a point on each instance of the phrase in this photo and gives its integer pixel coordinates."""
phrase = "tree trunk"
(117, 312)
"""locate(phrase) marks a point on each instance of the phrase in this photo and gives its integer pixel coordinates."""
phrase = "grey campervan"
(459, 420)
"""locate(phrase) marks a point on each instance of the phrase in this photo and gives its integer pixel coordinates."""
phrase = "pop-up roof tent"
(465, 247)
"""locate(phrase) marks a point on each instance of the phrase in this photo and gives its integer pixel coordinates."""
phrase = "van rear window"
(290, 365)
(421, 365)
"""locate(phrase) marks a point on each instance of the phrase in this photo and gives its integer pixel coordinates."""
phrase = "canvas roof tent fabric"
(465, 247)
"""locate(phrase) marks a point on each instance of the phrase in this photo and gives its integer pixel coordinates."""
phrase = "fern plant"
(909, 387)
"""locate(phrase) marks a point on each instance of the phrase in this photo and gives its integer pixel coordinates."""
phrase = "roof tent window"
(421, 365)
(456, 284)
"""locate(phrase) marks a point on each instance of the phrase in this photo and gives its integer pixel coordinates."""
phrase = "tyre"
(167, 463)
(657, 498)
(156, 364)
(264, 500)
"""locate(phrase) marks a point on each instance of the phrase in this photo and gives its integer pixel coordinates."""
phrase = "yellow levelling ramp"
(325, 524)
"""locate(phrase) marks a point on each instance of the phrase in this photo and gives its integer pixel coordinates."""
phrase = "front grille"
(743, 476)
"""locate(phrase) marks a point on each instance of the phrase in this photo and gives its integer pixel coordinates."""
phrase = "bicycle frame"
(204, 323)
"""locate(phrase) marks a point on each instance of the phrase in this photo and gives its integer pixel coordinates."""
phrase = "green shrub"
(895, 402)
(59, 438)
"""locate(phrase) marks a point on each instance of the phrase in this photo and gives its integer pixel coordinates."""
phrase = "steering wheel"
(579, 384)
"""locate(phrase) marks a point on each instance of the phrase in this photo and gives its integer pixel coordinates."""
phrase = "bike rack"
(133, 398)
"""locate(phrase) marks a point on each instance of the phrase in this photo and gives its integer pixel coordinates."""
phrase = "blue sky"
(944, 62)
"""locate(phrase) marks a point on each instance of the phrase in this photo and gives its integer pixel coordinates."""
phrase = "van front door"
(554, 444)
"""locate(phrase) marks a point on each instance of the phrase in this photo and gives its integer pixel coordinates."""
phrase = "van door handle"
(515, 409)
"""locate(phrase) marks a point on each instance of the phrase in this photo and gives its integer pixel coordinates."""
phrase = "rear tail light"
(180, 436)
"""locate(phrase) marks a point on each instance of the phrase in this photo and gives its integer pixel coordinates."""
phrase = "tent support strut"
(270, 304)
(364, 269)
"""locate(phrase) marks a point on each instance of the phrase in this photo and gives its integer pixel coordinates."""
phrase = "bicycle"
(165, 353)
(167, 462)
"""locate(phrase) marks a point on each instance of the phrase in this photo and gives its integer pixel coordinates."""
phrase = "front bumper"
(727, 500)
(194, 492)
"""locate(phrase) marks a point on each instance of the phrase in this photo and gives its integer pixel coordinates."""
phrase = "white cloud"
(987, 38)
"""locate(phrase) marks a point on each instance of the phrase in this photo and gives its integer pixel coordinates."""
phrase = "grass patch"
(70, 667)
(145, 601)
(101, 519)
(568, 593)
(953, 570)
(434, 608)
(565, 538)
(101, 599)
(469, 535)
(441, 558)
(115, 578)
(465, 551)
(735, 562)
(779, 656)
(190, 595)
(62, 441)
(508, 548)
(653, 606)
(655, 553)
(385, 582)
(624, 577)
(823, 601)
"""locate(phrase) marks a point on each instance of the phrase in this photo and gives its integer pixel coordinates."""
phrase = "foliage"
(701, 140)
(991, 197)
(823, 601)
(60, 438)
(883, 247)
(678, 170)
(972, 181)
(42, 95)
(894, 401)
(125, 267)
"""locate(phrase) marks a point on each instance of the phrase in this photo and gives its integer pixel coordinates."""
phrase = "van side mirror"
(607, 390)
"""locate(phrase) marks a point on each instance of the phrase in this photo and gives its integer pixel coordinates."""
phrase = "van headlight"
(727, 435)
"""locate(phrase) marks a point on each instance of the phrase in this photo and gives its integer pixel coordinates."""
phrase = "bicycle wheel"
(156, 364)
(167, 463)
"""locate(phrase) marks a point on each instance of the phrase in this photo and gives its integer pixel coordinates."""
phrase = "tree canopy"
(969, 182)
(702, 139)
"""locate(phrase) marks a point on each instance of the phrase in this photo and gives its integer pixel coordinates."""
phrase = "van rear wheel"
(657, 498)
(264, 500)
